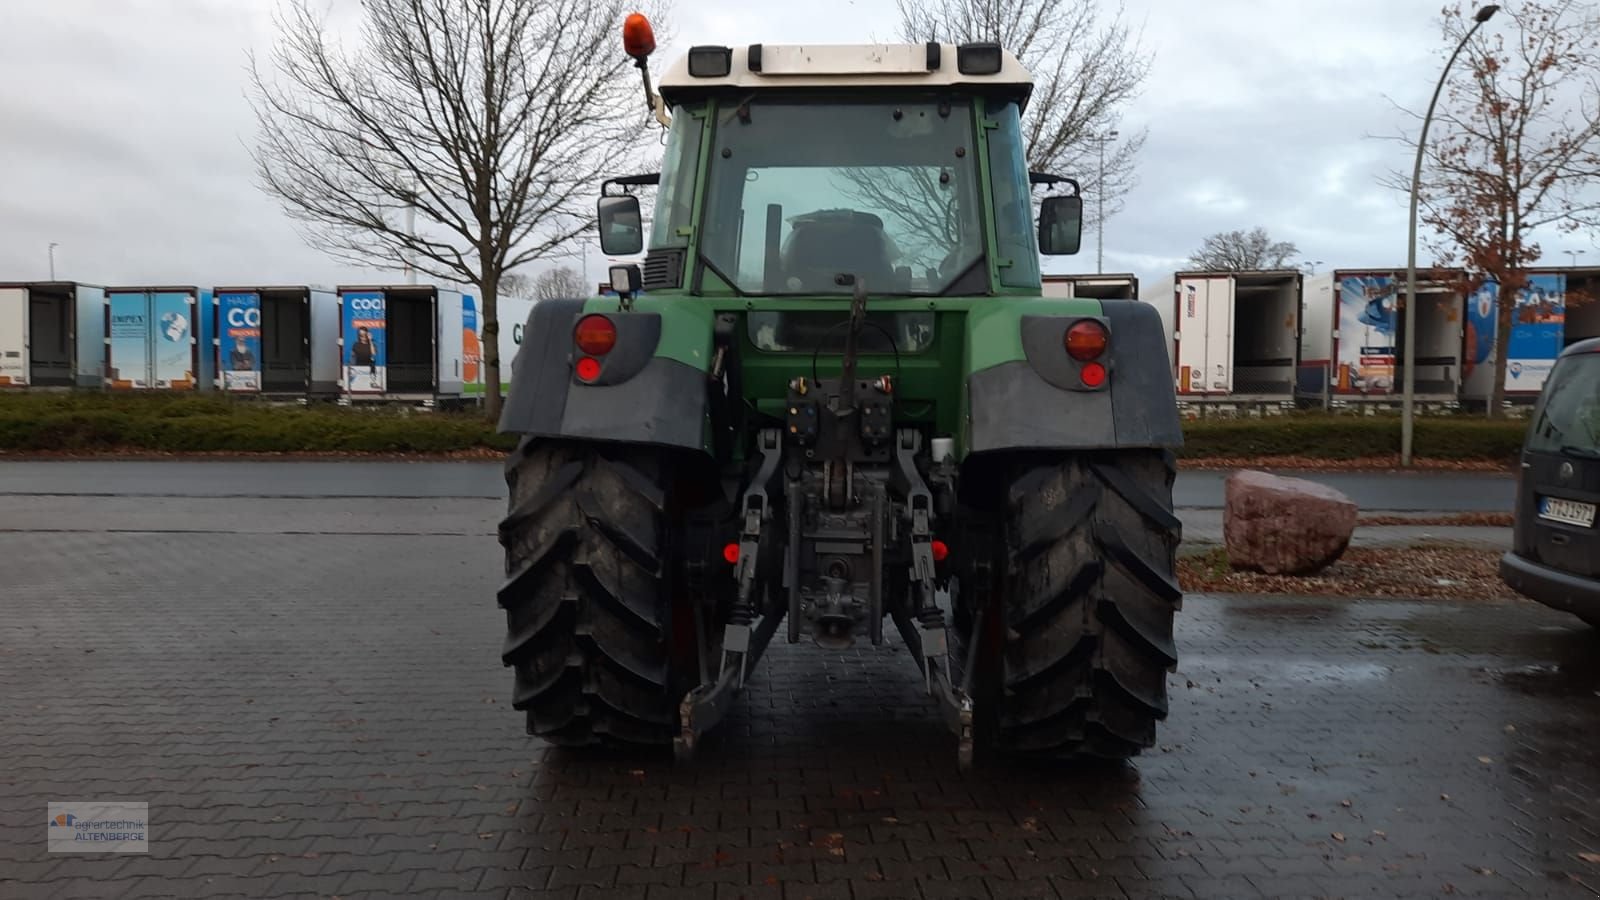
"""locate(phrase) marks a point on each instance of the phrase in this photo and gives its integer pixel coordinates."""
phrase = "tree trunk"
(491, 344)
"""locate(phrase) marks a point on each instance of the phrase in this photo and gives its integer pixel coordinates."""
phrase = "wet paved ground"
(325, 714)
(1433, 491)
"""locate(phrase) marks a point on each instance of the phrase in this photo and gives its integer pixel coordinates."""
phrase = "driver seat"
(829, 243)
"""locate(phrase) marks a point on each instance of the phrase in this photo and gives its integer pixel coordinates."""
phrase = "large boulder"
(1284, 526)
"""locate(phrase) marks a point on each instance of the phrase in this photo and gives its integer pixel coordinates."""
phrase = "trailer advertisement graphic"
(1538, 325)
(365, 357)
(471, 346)
(129, 365)
(239, 353)
(174, 344)
(1365, 360)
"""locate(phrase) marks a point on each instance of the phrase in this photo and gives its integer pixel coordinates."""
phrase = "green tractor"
(833, 397)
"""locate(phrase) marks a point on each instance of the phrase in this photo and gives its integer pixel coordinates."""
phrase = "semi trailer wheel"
(587, 599)
(1087, 594)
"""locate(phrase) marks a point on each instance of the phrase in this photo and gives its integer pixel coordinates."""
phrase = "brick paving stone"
(295, 736)
(762, 891)
(963, 889)
(835, 890)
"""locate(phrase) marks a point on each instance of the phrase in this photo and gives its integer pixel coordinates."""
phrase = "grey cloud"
(125, 130)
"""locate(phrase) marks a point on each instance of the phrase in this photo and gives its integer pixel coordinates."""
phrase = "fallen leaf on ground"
(1452, 520)
(1425, 571)
(1364, 463)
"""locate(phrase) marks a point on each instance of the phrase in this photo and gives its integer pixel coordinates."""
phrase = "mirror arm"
(1049, 179)
(627, 181)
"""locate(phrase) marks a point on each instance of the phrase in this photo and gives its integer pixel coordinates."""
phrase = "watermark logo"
(99, 826)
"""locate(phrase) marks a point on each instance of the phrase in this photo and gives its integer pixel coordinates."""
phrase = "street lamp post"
(1574, 254)
(1310, 265)
(1100, 202)
(1409, 399)
(53, 246)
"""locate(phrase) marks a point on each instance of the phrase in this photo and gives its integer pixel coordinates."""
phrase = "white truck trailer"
(1355, 337)
(52, 334)
(407, 343)
(1236, 339)
(1121, 286)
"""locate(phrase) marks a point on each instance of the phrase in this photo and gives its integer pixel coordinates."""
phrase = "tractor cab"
(800, 170)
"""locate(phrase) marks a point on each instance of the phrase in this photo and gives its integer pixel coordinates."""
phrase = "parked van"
(1555, 548)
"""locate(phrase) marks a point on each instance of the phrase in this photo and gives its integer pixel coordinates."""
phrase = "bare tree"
(1242, 251)
(487, 121)
(1086, 70)
(560, 283)
(1515, 151)
(516, 284)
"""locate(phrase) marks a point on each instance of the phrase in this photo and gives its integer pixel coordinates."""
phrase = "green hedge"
(89, 422)
(176, 424)
(1352, 437)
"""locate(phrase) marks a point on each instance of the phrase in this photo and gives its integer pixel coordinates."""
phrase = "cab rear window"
(1568, 415)
(824, 332)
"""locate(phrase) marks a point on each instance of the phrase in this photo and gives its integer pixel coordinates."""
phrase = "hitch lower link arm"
(748, 630)
(926, 636)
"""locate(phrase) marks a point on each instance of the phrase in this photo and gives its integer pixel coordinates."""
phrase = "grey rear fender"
(1041, 403)
(638, 397)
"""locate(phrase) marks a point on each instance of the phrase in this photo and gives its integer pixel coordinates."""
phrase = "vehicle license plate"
(1569, 511)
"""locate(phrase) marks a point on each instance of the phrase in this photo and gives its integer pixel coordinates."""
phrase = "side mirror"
(621, 225)
(1060, 225)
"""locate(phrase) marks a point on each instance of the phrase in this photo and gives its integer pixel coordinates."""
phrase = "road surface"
(312, 703)
(1195, 489)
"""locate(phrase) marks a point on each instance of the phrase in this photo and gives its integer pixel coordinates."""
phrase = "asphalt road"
(314, 705)
(1422, 491)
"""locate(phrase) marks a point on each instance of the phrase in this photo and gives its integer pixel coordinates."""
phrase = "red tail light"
(1086, 340)
(730, 553)
(1093, 375)
(595, 335)
(588, 369)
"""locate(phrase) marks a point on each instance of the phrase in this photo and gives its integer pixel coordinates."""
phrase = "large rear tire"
(1087, 594)
(587, 595)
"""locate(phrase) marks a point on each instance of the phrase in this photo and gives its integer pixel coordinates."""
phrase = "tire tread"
(1089, 602)
(586, 613)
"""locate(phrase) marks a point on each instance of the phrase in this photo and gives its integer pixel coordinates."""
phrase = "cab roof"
(759, 67)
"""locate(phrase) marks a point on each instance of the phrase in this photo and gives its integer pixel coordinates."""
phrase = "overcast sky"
(124, 130)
